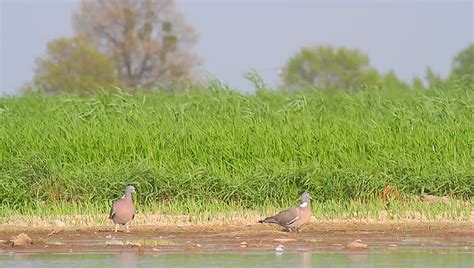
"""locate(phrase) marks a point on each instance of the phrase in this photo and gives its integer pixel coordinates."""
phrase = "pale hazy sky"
(237, 36)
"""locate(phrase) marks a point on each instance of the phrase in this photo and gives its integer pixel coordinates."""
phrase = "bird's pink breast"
(124, 211)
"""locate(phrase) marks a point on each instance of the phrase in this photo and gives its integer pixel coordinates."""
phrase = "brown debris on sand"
(21, 240)
(388, 193)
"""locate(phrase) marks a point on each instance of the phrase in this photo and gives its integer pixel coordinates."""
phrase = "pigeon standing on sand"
(123, 211)
(294, 217)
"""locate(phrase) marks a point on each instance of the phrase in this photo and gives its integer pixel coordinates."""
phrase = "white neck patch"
(303, 205)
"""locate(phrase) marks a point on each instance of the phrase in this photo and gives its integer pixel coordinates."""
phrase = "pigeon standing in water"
(123, 211)
(294, 217)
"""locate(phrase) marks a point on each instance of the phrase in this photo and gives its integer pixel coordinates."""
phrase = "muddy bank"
(316, 237)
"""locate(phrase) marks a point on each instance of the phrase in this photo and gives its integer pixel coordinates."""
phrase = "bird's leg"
(116, 227)
(127, 227)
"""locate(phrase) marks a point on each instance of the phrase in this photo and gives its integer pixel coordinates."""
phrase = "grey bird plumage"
(294, 217)
(123, 211)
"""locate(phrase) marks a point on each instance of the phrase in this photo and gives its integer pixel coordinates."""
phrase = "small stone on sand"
(133, 244)
(280, 248)
(357, 244)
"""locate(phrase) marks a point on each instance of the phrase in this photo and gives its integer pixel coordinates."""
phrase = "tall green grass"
(218, 146)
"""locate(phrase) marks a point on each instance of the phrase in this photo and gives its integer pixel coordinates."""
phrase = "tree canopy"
(73, 65)
(148, 40)
(463, 63)
(391, 81)
(325, 67)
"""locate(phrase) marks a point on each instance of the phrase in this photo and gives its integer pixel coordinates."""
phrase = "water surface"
(271, 260)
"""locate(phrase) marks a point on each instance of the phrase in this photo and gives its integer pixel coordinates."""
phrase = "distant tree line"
(143, 44)
(326, 67)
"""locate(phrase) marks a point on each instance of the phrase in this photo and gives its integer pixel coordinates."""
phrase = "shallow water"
(273, 260)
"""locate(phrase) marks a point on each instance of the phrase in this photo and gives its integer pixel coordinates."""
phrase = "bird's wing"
(287, 217)
(112, 210)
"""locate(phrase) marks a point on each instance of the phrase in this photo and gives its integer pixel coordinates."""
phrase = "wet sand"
(316, 237)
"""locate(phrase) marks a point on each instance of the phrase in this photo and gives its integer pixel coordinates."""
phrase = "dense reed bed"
(217, 147)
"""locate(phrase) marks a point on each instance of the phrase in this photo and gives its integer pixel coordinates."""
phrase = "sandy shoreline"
(317, 236)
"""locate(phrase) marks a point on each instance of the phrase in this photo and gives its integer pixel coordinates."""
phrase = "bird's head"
(305, 198)
(129, 190)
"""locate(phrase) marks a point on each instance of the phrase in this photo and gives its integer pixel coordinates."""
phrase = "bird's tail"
(268, 220)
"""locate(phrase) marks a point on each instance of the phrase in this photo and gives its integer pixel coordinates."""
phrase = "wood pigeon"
(123, 211)
(294, 217)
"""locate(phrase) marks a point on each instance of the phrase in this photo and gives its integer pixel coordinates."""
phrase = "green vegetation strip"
(219, 148)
